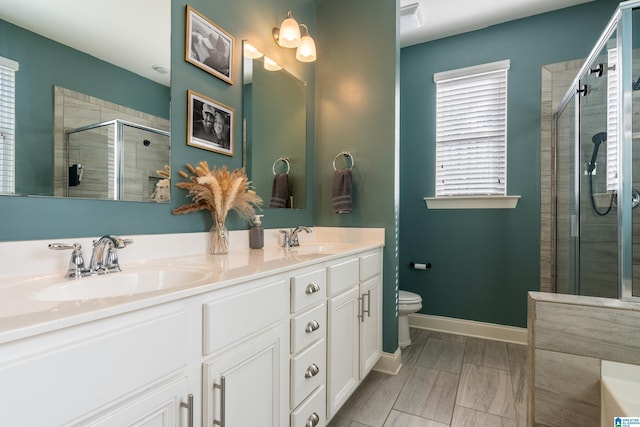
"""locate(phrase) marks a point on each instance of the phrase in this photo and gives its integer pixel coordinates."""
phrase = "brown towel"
(341, 192)
(280, 191)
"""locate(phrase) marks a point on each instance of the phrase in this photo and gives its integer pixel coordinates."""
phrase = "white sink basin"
(121, 283)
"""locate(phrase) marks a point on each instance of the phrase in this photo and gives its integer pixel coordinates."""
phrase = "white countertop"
(29, 267)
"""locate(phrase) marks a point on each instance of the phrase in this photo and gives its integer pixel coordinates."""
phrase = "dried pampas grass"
(218, 191)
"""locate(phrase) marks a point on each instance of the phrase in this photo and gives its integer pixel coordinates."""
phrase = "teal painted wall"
(357, 111)
(28, 218)
(483, 261)
(34, 97)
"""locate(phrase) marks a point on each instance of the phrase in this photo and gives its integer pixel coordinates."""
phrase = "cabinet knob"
(312, 326)
(313, 420)
(312, 288)
(312, 371)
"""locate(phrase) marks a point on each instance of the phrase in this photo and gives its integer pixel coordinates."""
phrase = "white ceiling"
(443, 18)
(135, 34)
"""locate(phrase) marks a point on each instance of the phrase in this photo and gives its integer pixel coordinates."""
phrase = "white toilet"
(408, 303)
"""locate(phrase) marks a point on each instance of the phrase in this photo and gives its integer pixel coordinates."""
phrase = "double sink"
(43, 293)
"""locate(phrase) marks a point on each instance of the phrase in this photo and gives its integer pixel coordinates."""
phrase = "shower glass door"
(598, 221)
(566, 201)
(632, 245)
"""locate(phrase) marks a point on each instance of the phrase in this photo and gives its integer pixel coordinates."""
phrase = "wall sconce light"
(306, 51)
(270, 64)
(288, 36)
(250, 51)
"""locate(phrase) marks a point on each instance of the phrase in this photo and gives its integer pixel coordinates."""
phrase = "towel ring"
(346, 155)
(286, 162)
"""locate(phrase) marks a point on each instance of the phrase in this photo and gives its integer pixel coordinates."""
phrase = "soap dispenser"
(256, 234)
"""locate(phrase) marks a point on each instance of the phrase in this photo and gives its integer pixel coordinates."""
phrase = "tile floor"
(445, 380)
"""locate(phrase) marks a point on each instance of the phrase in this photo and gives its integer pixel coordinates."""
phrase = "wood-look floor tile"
(520, 380)
(491, 354)
(429, 393)
(446, 336)
(411, 353)
(401, 419)
(487, 390)
(373, 400)
(338, 421)
(442, 355)
(465, 417)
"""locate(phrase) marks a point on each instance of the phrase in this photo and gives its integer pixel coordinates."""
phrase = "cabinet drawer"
(308, 327)
(237, 313)
(343, 276)
(308, 289)
(370, 265)
(308, 371)
(311, 412)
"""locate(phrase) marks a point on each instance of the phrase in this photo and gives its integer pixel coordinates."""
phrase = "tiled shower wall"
(73, 110)
(556, 79)
(599, 239)
(569, 336)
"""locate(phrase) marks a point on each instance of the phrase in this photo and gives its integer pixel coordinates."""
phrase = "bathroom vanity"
(268, 337)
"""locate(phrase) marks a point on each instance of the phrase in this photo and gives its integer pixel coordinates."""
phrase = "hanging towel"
(341, 192)
(280, 191)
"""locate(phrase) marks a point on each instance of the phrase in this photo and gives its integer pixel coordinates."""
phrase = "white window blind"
(8, 70)
(612, 120)
(471, 130)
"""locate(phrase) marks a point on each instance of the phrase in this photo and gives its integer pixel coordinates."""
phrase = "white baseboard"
(389, 363)
(470, 328)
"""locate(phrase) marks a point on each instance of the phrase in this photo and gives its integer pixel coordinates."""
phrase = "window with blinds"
(471, 130)
(8, 70)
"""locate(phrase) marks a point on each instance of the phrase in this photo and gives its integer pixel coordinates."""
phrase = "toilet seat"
(406, 297)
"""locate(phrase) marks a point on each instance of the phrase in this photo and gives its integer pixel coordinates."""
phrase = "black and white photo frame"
(210, 124)
(209, 47)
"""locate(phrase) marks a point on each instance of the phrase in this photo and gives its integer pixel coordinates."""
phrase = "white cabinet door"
(248, 386)
(370, 325)
(158, 408)
(342, 349)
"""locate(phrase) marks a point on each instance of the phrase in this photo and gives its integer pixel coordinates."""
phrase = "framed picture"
(210, 124)
(208, 46)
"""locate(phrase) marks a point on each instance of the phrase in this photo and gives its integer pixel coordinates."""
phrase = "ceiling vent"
(410, 17)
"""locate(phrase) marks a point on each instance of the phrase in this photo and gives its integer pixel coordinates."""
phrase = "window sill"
(472, 202)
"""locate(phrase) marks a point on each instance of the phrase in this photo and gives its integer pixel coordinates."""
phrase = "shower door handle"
(575, 229)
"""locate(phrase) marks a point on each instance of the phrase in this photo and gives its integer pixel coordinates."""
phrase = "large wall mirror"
(275, 127)
(92, 99)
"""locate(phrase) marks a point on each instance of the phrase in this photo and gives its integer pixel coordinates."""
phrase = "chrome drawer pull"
(222, 387)
(312, 371)
(189, 406)
(313, 420)
(312, 326)
(312, 288)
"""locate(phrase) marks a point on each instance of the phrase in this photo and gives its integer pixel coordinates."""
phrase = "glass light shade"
(289, 33)
(270, 64)
(306, 51)
(251, 52)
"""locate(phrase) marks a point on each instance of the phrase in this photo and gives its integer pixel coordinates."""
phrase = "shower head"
(597, 139)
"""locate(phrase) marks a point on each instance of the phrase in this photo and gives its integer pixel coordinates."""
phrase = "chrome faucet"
(290, 238)
(104, 258)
